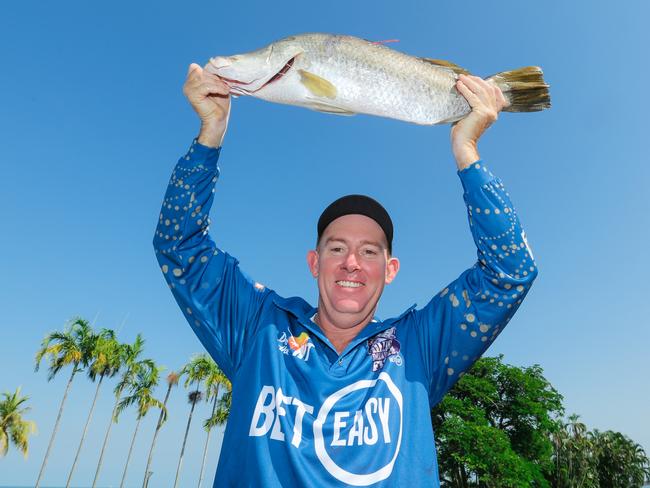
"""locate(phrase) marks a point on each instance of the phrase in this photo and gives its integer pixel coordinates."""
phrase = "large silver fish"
(346, 75)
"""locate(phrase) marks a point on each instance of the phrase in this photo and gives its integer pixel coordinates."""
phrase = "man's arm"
(217, 299)
(459, 323)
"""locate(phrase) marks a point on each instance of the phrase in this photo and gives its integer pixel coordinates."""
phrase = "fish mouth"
(240, 87)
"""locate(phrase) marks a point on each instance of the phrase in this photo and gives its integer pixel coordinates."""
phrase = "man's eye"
(370, 252)
(336, 249)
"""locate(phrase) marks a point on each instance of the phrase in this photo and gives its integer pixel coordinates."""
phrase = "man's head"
(353, 259)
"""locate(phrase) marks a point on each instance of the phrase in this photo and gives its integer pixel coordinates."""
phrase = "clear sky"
(92, 121)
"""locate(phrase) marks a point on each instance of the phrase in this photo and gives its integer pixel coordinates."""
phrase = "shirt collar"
(304, 312)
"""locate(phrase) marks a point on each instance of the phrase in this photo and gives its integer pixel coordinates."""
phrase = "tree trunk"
(108, 432)
(463, 476)
(128, 459)
(187, 431)
(56, 428)
(145, 482)
(83, 434)
(207, 440)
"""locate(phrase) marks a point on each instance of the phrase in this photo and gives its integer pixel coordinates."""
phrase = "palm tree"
(621, 461)
(12, 426)
(62, 349)
(104, 360)
(213, 384)
(196, 371)
(220, 416)
(129, 354)
(172, 380)
(141, 395)
(574, 458)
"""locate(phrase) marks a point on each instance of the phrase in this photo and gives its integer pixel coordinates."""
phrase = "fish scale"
(347, 75)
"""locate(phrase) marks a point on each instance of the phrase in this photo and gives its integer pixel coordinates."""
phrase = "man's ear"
(392, 267)
(312, 262)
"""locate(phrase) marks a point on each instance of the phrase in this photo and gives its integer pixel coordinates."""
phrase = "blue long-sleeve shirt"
(303, 414)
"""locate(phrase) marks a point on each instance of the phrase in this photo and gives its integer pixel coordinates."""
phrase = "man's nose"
(351, 264)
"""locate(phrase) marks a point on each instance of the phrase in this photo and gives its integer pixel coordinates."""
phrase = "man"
(332, 396)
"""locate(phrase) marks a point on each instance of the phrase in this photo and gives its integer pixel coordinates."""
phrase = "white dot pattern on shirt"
(493, 249)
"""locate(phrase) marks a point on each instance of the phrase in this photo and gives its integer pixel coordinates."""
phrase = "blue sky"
(93, 120)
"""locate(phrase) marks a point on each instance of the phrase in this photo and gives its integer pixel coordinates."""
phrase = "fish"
(347, 75)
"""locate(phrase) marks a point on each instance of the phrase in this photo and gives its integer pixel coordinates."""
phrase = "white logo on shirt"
(364, 428)
(359, 433)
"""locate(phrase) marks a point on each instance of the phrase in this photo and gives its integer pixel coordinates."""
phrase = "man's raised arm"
(460, 322)
(218, 301)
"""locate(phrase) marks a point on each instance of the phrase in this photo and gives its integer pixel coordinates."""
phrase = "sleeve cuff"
(475, 176)
(200, 154)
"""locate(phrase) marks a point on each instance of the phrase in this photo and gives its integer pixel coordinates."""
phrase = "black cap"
(358, 204)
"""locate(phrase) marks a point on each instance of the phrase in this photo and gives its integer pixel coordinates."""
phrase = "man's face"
(352, 266)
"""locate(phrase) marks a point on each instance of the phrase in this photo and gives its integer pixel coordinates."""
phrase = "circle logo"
(326, 460)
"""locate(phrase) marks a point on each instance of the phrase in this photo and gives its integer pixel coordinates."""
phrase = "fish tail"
(524, 89)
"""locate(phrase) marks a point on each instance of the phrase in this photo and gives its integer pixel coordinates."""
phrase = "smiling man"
(332, 395)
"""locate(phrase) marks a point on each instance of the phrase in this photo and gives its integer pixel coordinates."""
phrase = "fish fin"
(317, 85)
(447, 64)
(523, 88)
(328, 108)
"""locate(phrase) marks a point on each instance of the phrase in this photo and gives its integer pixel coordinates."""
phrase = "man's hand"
(210, 99)
(486, 101)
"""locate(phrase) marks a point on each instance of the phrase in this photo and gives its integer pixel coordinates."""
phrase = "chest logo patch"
(384, 346)
(299, 346)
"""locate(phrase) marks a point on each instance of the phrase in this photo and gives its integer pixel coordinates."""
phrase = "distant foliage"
(501, 426)
(493, 429)
(622, 463)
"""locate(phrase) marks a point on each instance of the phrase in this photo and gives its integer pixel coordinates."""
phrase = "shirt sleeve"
(459, 323)
(218, 300)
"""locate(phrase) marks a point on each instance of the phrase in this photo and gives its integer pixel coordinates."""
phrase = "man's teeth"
(349, 284)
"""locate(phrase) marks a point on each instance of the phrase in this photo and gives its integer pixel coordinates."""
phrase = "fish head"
(250, 72)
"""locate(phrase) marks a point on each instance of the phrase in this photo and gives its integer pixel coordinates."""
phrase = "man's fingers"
(194, 70)
(465, 91)
(212, 89)
(473, 83)
(501, 99)
(197, 76)
(204, 86)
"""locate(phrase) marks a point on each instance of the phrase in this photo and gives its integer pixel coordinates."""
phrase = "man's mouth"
(349, 284)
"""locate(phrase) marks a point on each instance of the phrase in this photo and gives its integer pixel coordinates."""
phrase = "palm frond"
(197, 369)
(12, 425)
(70, 347)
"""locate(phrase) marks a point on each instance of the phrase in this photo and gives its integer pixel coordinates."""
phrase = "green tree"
(128, 359)
(172, 380)
(196, 371)
(13, 428)
(622, 463)
(574, 460)
(141, 395)
(68, 348)
(493, 428)
(103, 361)
(214, 383)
